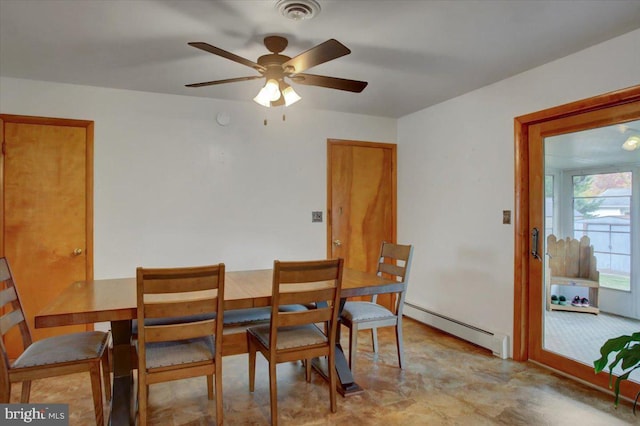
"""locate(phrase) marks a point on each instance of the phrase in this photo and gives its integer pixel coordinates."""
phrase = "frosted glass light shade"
(272, 90)
(290, 96)
(262, 98)
(269, 93)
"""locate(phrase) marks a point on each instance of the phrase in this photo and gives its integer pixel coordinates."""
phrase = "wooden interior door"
(47, 214)
(361, 202)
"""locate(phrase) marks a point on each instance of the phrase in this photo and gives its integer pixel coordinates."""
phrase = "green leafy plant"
(627, 350)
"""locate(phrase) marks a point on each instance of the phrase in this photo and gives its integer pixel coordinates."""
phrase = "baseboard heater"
(497, 343)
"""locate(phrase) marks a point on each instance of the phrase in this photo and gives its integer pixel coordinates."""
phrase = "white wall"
(456, 175)
(172, 187)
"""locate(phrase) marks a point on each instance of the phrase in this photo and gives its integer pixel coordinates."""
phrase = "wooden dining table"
(114, 301)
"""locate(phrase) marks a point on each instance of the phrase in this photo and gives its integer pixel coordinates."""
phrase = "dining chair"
(49, 357)
(182, 349)
(394, 260)
(293, 335)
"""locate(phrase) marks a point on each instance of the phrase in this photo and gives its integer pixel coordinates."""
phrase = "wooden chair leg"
(252, 365)
(333, 382)
(307, 370)
(5, 392)
(143, 392)
(219, 415)
(26, 392)
(353, 347)
(399, 343)
(96, 389)
(374, 339)
(210, 387)
(106, 375)
(273, 392)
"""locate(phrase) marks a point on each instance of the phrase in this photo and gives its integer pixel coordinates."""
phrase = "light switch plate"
(316, 216)
(506, 217)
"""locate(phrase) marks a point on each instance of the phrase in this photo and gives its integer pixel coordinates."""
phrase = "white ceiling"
(598, 147)
(413, 53)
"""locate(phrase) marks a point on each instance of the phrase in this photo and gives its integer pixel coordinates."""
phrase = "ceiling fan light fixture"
(269, 93)
(290, 96)
(260, 99)
(298, 10)
(632, 143)
(272, 90)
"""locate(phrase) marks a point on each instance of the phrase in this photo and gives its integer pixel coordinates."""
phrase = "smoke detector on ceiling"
(298, 10)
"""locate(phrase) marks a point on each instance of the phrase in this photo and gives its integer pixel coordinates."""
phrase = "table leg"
(346, 384)
(122, 412)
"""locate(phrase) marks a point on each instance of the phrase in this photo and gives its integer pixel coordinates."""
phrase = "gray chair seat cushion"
(64, 348)
(255, 315)
(290, 337)
(294, 308)
(246, 316)
(362, 311)
(166, 354)
(231, 317)
(171, 320)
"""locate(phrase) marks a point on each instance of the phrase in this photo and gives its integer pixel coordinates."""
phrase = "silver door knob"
(337, 243)
(77, 252)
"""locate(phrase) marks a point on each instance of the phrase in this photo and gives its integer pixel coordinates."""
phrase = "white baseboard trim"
(497, 343)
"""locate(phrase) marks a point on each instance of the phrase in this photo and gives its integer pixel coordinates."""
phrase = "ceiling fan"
(274, 68)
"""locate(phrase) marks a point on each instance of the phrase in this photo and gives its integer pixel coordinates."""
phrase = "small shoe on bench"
(554, 299)
(562, 301)
(576, 301)
(584, 302)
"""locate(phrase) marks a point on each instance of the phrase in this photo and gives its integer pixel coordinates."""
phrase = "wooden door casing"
(361, 202)
(47, 213)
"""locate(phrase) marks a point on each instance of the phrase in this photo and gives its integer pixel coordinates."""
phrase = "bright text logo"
(37, 414)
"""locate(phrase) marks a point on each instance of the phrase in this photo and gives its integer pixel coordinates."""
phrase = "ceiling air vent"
(298, 10)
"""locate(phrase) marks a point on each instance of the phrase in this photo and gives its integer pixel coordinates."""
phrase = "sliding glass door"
(584, 182)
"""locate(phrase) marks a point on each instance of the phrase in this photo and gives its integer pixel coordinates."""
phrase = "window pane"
(602, 211)
(548, 205)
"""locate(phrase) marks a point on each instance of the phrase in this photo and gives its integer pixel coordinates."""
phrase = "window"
(548, 205)
(602, 211)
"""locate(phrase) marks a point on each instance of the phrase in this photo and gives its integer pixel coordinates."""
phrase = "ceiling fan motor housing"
(273, 64)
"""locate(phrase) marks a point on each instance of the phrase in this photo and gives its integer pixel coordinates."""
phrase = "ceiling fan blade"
(330, 82)
(232, 56)
(324, 52)
(229, 80)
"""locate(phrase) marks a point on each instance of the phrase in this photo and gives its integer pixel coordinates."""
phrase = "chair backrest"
(318, 281)
(179, 293)
(395, 261)
(572, 258)
(11, 315)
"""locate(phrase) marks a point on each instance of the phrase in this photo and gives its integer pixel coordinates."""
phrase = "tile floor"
(579, 336)
(446, 382)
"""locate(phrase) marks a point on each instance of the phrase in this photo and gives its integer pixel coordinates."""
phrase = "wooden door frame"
(527, 302)
(394, 182)
(522, 296)
(89, 128)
